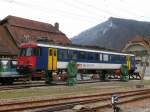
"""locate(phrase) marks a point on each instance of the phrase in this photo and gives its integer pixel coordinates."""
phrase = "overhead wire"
(81, 9)
(93, 7)
(77, 4)
(108, 12)
(131, 11)
(45, 9)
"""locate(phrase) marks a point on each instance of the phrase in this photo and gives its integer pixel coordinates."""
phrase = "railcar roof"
(82, 48)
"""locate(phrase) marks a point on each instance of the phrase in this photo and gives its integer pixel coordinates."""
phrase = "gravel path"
(137, 106)
(139, 110)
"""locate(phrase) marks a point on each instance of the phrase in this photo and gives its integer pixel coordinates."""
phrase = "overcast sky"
(75, 16)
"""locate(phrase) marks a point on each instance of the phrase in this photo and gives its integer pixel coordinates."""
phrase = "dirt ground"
(137, 106)
(50, 92)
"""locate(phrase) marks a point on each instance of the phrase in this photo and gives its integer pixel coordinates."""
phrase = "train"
(8, 73)
(37, 57)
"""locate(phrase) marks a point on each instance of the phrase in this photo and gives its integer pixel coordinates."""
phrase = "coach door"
(128, 59)
(52, 59)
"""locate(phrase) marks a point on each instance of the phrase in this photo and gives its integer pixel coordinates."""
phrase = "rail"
(70, 102)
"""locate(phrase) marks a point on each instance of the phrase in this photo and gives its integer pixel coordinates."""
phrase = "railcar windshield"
(6, 64)
(29, 52)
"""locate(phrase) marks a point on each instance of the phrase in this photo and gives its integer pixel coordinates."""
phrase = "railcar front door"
(52, 59)
(128, 59)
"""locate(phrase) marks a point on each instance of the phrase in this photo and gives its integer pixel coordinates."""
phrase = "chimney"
(56, 25)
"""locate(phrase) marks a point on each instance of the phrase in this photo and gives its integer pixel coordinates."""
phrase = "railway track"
(69, 102)
(22, 86)
(123, 99)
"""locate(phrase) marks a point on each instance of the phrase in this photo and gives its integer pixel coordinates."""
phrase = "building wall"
(136, 47)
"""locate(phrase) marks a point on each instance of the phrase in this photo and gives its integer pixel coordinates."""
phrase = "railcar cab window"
(23, 52)
(37, 51)
(30, 52)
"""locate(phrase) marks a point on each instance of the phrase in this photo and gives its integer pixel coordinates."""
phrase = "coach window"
(93, 56)
(63, 54)
(60, 56)
(117, 58)
(122, 59)
(72, 54)
(110, 58)
(97, 56)
(101, 57)
(82, 55)
(90, 56)
(0, 64)
(105, 57)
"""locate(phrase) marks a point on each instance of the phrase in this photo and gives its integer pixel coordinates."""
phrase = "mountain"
(113, 33)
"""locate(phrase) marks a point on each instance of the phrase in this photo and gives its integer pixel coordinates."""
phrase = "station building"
(16, 30)
(140, 46)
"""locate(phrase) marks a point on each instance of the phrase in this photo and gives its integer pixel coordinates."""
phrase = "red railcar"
(27, 58)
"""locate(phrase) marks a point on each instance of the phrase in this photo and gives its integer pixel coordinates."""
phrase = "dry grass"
(63, 91)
